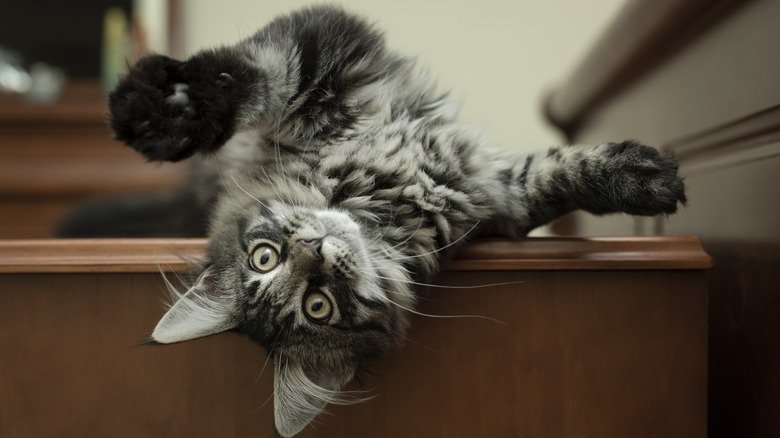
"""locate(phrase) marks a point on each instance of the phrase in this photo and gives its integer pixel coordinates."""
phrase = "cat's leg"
(168, 109)
(616, 177)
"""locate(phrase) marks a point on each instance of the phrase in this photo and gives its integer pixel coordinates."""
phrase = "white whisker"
(267, 400)
(247, 193)
(267, 358)
(423, 346)
(454, 242)
(229, 192)
(174, 294)
(277, 149)
(440, 286)
(279, 195)
(427, 315)
(411, 235)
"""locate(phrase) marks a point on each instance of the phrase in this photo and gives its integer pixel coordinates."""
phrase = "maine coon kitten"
(335, 174)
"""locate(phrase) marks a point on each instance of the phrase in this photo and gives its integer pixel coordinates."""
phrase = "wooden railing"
(699, 79)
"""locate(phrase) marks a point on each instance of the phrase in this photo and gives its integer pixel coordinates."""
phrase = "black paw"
(168, 110)
(641, 180)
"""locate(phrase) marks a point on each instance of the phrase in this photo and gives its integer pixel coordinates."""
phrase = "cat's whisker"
(262, 369)
(449, 245)
(305, 149)
(267, 400)
(267, 358)
(229, 192)
(441, 286)
(247, 193)
(309, 392)
(421, 345)
(428, 315)
(174, 294)
(384, 251)
(279, 194)
(277, 133)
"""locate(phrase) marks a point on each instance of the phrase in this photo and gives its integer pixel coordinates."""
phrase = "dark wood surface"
(568, 352)
(715, 103)
(494, 254)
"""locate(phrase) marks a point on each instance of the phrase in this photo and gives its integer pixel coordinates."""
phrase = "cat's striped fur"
(335, 173)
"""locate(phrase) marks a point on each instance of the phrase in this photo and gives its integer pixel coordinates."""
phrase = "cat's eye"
(264, 258)
(317, 307)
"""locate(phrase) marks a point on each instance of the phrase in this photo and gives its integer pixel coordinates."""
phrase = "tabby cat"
(334, 174)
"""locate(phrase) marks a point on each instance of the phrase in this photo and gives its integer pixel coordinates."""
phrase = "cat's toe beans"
(179, 96)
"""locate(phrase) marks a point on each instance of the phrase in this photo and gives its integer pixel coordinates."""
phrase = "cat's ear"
(301, 391)
(203, 310)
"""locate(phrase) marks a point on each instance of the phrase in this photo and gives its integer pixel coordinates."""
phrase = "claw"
(142, 128)
(224, 79)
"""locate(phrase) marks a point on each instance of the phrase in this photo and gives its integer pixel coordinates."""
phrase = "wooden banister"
(151, 255)
(642, 36)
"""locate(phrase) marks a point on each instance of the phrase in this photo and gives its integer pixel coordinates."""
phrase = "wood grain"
(153, 255)
(597, 354)
(594, 253)
(99, 255)
(576, 353)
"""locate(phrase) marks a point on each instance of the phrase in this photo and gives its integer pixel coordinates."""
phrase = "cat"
(334, 174)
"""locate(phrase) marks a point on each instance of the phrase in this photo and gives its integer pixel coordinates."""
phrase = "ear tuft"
(202, 311)
(301, 391)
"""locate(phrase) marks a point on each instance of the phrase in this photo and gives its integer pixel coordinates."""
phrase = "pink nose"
(314, 245)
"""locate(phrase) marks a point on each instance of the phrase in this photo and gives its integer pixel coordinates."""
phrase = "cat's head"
(307, 284)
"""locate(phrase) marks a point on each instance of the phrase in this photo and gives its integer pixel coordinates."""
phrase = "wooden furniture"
(54, 156)
(586, 337)
(700, 79)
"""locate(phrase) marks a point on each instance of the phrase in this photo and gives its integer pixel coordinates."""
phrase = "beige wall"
(498, 57)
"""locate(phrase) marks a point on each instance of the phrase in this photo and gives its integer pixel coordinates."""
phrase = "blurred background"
(497, 57)
(59, 59)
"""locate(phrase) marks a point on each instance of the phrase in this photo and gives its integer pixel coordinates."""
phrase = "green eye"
(264, 258)
(318, 307)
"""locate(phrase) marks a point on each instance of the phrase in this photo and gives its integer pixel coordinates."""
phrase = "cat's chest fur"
(403, 160)
(407, 181)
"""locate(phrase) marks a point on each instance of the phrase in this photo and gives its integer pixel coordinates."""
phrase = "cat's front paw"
(152, 112)
(168, 110)
(642, 180)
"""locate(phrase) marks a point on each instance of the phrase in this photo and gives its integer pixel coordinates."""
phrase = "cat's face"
(303, 283)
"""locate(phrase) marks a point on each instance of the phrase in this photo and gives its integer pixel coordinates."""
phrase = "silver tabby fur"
(317, 142)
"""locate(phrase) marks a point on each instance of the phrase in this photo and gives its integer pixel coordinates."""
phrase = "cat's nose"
(313, 245)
